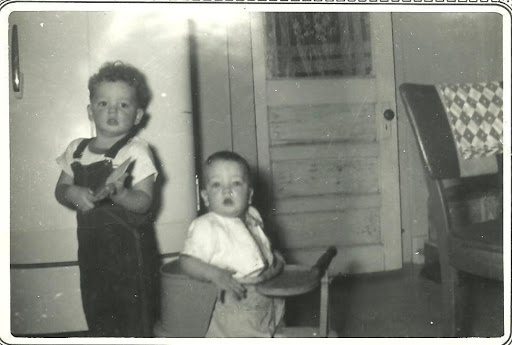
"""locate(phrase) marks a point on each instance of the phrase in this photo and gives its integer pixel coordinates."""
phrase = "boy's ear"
(204, 196)
(89, 112)
(138, 117)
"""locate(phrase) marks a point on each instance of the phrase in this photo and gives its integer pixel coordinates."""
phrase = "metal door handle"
(15, 60)
(389, 114)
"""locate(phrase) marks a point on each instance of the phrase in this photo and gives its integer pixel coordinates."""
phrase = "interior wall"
(224, 86)
(212, 86)
(433, 48)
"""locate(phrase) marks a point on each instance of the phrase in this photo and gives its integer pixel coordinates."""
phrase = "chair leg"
(324, 306)
(453, 297)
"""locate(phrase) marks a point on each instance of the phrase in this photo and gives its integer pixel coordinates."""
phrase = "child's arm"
(269, 273)
(222, 278)
(136, 199)
(70, 195)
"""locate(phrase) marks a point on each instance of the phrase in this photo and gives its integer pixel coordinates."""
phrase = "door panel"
(332, 227)
(311, 177)
(332, 123)
(323, 143)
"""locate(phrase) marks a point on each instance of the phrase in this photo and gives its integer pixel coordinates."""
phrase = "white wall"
(225, 85)
(433, 48)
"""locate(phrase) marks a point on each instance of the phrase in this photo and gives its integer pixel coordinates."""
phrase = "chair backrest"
(431, 129)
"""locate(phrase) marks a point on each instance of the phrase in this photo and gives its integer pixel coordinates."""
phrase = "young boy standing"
(117, 253)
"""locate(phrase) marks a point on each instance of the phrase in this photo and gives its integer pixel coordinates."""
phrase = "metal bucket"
(186, 304)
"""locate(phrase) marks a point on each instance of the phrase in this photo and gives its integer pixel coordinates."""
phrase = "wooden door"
(325, 149)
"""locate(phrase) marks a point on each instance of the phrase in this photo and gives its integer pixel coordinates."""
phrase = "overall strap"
(112, 152)
(81, 147)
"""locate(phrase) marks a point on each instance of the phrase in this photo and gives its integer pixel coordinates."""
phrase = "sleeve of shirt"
(144, 165)
(66, 158)
(201, 240)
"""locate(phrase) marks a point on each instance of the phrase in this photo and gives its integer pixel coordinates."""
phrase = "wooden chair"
(474, 248)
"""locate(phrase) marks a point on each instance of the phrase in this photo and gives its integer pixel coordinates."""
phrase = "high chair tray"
(293, 280)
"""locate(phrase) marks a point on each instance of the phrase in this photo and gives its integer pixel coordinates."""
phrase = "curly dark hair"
(119, 71)
(230, 157)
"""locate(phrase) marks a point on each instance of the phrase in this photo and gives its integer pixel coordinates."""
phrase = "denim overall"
(117, 256)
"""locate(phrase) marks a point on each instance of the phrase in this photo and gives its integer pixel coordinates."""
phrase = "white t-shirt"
(229, 244)
(136, 149)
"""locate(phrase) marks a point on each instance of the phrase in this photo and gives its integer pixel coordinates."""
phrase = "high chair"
(187, 304)
(297, 280)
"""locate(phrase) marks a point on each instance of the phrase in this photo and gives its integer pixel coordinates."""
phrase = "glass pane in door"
(302, 45)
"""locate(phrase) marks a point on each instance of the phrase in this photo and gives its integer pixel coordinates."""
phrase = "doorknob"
(389, 114)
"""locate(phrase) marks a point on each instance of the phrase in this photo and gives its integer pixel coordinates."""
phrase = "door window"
(304, 45)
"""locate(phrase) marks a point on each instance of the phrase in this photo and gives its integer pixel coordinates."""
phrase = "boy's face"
(227, 189)
(114, 108)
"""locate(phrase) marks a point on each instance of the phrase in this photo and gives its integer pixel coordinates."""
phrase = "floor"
(402, 303)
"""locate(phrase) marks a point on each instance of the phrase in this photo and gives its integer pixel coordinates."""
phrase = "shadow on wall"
(263, 201)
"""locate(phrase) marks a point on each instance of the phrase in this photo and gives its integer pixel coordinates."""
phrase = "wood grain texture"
(332, 202)
(330, 150)
(350, 227)
(322, 123)
(323, 177)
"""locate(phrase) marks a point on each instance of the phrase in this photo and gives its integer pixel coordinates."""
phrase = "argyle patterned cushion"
(475, 114)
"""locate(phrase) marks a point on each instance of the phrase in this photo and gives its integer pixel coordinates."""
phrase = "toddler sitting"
(228, 247)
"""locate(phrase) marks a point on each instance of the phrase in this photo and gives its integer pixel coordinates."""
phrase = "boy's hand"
(269, 272)
(118, 189)
(224, 280)
(114, 185)
(111, 189)
(104, 192)
(81, 197)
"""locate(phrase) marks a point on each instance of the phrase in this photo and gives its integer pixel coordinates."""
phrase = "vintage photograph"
(255, 170)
